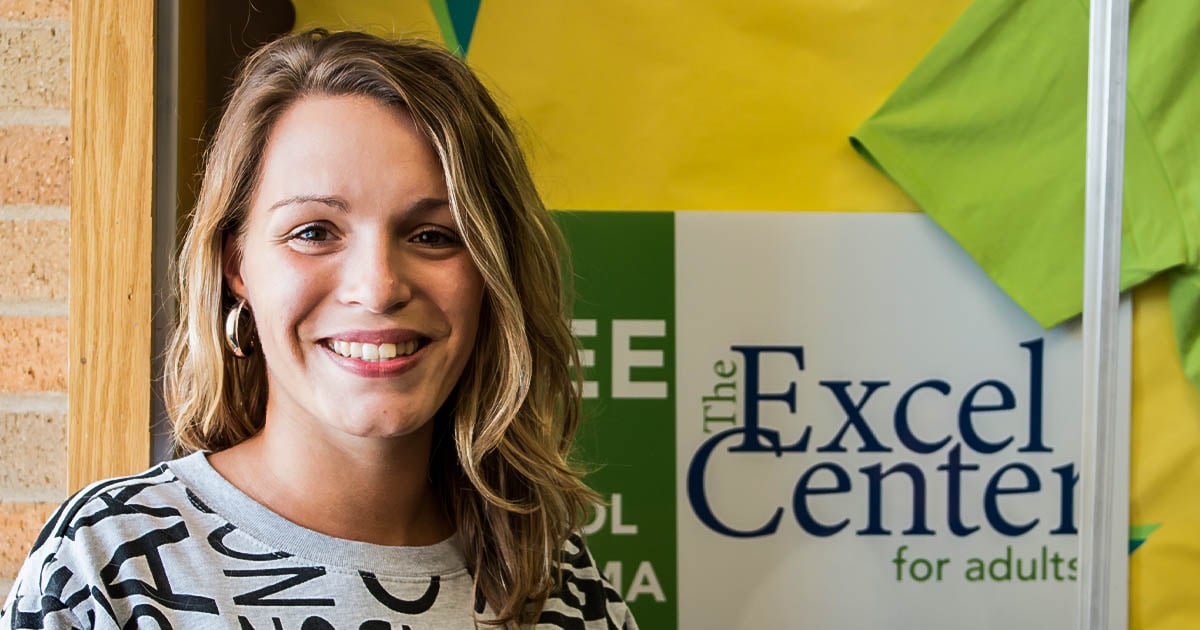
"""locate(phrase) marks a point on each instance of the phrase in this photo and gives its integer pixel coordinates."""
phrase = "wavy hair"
(500, 456)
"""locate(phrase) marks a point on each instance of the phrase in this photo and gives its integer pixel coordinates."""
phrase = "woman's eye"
(311, 233)
(435, 238)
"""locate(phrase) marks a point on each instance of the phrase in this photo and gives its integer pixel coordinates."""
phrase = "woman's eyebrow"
(332, 201)
(423, 205)
(427, 204)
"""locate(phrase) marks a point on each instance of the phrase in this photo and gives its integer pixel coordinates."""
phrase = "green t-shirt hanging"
(988, 135)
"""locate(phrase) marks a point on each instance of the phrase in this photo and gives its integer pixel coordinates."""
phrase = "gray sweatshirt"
(178, 546)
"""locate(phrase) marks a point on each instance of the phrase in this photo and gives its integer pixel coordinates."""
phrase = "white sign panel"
(869, 433)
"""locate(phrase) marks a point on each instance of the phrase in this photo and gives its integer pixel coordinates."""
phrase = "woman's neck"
(365, 489)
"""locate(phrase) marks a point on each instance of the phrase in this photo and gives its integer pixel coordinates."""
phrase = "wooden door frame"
(112, 232)
(143, 91)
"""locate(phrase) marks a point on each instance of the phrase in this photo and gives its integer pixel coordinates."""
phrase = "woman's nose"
(374, 277)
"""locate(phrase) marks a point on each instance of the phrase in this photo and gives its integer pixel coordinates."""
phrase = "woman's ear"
(231, 265)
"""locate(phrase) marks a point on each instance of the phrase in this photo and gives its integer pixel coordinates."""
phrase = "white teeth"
(372, 352)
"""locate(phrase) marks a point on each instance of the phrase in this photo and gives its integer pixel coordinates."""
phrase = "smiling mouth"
(371, 352)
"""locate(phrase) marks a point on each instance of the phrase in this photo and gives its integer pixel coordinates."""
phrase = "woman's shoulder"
(584, 594)
(92, 534)
(116, 503)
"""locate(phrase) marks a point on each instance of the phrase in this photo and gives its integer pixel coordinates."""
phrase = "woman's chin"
(380, 424)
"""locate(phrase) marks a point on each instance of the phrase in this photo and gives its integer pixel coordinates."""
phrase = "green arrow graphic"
(1139, 533)
(456, 19)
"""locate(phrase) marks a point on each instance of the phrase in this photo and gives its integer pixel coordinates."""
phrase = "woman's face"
(365, 299)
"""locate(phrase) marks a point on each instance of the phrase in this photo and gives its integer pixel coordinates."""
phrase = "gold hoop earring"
(233, 331)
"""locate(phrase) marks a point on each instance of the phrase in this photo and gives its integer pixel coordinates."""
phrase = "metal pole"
(1107, 63)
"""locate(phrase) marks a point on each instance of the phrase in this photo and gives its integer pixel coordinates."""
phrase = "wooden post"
(112, 152)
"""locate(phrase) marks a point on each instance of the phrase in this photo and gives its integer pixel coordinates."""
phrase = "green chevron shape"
(456, 20)
(1139, 533)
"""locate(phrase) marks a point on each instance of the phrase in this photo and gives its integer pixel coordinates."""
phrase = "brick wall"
(35, 156)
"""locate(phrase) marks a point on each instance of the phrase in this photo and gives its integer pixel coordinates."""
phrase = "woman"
(373, 366)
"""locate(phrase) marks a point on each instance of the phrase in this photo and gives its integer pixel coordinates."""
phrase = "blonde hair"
(500, 455)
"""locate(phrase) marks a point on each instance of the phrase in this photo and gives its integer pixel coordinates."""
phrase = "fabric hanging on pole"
(986, 134)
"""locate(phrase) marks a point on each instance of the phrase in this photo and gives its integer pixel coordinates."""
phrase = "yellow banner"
(735, 105)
